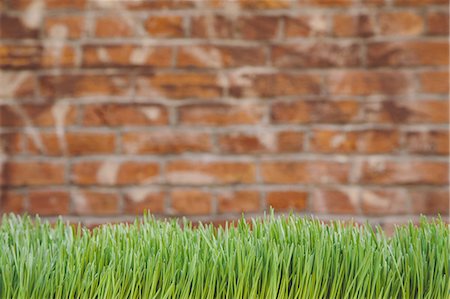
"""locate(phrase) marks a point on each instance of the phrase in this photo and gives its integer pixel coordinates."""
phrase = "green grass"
(272, 258)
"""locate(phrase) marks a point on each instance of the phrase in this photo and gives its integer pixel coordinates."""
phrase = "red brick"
(66, 26)
(37, 115)
(257, 27)
(165, 142)
(304, 26)
(415, 112)
(334, 201)
(265, 4)
(319, 111)
(363, 83)
(47, 203)
(13, 27)
(365, 141)
(419, 2)
(49, 144)
(401, 23)
(99, 203)
(304, 172)
(22, 85)
(239, 201)
(66, 4)
(141, 199)
(12, 202)
(112, 26)
(384, 172)
(434, 142)
(113, 115)
(360, 25)
(126, 56)
(206, 173)
(219, 56)
(437, 23)
(287, 200)
(434, 82)
(325, 3)
(11, 143)
(384, 202)
(179, 86)
(56, 56)
(191, 202)
(83, 85)
(431, 201)
(314, 55)
(20, 56)
(408, 53)
(270, 85)
(260, 142)
(84, 143)
(164, 26)
(114, 172)
(220, 114)
(31, 173)
(213, 26)
(158, 4)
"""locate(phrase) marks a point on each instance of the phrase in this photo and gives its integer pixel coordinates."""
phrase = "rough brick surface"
(213, 108)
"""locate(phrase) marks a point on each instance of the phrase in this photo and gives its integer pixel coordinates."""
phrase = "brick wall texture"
(207, 109)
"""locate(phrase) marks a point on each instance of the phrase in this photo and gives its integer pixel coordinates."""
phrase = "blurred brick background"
(212, 108)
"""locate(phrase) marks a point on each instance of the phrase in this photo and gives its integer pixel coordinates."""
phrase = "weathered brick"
(112, 26)
(434, 82)
(335, 201)
(408, 53)
(141, 199)
(64, 26)
(304, 26)
(325, 3)
(47, 202)
(384, 202)
(287, 200)
(88, 202)
(437, 23)
(260, 142)
(212, 26)
(65, 4)
(220, 114)
(20, 56)
(264, 4)
(179, 86)
(364, 141)
(368, 83)
(305, 172)
(359, 25)
(257, 27)
(238, 201)
(17, 84)
(46, 144)
(83, 85)
(164, 26)
(415, 112)
(319, 111)
(165, 142)
(430, 201)
(56, 56)
(158, 4)
(88, 143)
(110, 172)
(12, 202)
(37, 115)
(219, 56)
(419, 2)
(270, 85)
(434, 142)
(316, 55)
(385, 172)
(11, 143)
(190, 202)
(31, 173)
(13, 27)
(401, 23)
(113, 115)
(126, 56)
(206, 173)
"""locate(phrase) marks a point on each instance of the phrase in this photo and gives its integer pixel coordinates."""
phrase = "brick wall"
(210, 108)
